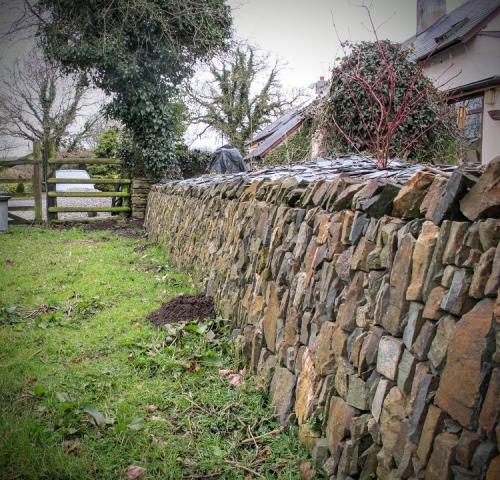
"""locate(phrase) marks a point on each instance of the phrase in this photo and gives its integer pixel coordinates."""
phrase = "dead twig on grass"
(260, 437)
(244, 468)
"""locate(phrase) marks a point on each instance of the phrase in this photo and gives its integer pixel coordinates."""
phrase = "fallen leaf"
(152, 408)
(99, 419)
(137, 423)
(194, 367)
(157, 418)
(224, 372)
(71, 445)
(159, 441)
(8, 263)
(134, 472)
(210, 335)
(235, 380)
(307, 471)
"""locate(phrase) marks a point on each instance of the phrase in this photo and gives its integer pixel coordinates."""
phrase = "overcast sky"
(301, 33)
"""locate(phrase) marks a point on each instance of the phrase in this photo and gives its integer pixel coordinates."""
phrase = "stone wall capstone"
(370, 302)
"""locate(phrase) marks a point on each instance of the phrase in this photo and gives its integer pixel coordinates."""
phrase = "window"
(470, 120)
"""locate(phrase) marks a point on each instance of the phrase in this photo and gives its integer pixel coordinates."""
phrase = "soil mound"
(184, 308)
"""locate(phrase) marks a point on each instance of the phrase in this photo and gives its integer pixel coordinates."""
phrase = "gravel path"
(65, 202)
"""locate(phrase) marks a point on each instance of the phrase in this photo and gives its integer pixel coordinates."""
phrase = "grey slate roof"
(452, 28)
(275, 132)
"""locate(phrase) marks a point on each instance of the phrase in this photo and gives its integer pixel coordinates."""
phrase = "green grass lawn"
(88, 387)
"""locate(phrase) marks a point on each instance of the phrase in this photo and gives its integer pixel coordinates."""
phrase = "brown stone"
(338, 422)
(368, 353)
(436, 266)
(483, 199)
(355, 297)
(493, 284)
(270, 317)
(414, 323)
(424, 339)
(432, 308)
(466, 447)
(456, 299)
(433, 194)
(281, 393)
(493, 472)
(442, 457)
(458, 230)
(341, 381)
(344, 200)
(458, 393)
(339, 342)
(432, 426)
(389, 353)
(409, 199)
(489, 233)
(490, 411)
(482, 273)
(406, 371)
(439, 347)
(357, 395)
(422, 255)
(323, 353)
(360, 256)
(393, 412)
(307, 385)
(399, 279)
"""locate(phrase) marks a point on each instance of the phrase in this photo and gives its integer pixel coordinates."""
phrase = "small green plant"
(20, 188)
(106, 146)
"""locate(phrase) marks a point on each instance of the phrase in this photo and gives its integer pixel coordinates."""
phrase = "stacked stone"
(139, 197)
(373, 310)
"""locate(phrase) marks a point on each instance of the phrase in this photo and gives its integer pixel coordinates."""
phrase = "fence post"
(126, 200)
(37, 181)
(51, 153)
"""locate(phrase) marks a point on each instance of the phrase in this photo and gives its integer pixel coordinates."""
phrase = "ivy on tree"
(138, 52)
(242, 95)
(381, 103)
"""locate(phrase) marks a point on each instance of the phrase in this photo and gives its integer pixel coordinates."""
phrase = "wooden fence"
(35, 180)
(50, 186)
(53, 194)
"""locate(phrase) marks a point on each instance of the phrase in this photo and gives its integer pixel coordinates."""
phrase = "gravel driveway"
(65, 202)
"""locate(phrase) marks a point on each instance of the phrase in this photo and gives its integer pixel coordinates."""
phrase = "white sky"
(301, 33)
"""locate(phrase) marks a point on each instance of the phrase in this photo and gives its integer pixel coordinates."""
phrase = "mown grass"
(88, 387)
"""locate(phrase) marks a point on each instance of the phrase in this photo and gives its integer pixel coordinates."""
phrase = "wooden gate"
(35, 181)
(53, 194)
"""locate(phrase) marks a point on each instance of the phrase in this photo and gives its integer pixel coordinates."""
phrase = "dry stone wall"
(372, 307)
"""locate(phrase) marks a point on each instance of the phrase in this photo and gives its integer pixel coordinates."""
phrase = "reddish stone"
(483, 199)
(458, 393)
(408, 201)
(338, 423)
(490, 410)
(443, 455)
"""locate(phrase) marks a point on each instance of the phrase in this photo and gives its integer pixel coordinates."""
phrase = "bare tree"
(243, 93)
(38, 102)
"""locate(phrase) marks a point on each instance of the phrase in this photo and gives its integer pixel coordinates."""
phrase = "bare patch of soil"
(184, 308)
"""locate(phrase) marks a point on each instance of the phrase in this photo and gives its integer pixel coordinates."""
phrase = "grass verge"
(89, 388)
